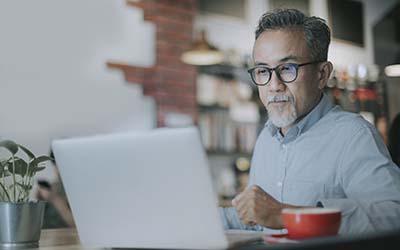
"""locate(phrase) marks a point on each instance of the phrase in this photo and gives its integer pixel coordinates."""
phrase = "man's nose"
(276, 84)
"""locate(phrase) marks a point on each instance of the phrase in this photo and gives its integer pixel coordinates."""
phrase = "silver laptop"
(150, 189)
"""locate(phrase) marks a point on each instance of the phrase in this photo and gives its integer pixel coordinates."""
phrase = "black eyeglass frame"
(297, 66)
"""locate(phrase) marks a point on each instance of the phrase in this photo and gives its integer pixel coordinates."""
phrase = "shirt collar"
(308, 121)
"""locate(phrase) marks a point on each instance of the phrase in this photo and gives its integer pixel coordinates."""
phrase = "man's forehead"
(278, 58)
(289, 58)
(275, 46)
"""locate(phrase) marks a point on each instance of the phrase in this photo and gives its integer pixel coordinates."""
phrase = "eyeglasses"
(286, 72)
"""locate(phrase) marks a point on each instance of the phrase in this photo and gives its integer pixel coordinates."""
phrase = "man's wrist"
(54, 198)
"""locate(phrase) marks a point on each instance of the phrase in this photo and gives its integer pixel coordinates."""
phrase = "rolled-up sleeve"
(231, 220)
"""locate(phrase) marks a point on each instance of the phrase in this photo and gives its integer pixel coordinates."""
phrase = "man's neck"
(284, 130)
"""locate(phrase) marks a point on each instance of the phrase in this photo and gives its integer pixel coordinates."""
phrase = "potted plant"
(21, 218)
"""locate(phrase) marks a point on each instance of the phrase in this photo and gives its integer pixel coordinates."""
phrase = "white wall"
(53, 77)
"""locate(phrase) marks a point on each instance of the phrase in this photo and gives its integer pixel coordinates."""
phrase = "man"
(310, 153)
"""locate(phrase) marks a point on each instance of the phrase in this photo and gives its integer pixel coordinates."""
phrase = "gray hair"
(316, 32)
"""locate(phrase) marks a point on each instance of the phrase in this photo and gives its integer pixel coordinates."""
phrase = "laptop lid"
(150, 189)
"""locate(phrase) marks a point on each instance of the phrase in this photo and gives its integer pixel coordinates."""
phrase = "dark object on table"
(379, 240)
(44, 184)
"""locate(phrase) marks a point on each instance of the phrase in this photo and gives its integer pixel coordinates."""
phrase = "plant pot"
(21, 224)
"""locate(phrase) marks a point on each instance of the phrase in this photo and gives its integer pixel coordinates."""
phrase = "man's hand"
(46, 194)
(255, 206)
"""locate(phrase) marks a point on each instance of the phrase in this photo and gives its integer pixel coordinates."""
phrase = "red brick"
(171, 35)
(170, 25)
(173, 10)
(189, 73)
(175, 46)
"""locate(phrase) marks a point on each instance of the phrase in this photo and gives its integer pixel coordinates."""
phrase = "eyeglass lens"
(286, 73)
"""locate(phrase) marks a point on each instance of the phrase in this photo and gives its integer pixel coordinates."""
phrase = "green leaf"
(39, 159)
(38, 169)
(10, 146)
(34, 170)
(22, 189)
(24, 199)
(20, 166)
(4, 192)
(27, 151)
(34, 164)
(4, 173)
(26, 187)
(3, 166)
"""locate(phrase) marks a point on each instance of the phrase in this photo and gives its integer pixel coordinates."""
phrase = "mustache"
(280, 98)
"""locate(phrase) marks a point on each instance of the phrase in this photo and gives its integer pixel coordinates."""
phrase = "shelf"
(210, 108)
(227, 71)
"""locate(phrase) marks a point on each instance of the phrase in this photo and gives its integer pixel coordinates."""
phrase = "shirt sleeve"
(371, 182)
(231, 220)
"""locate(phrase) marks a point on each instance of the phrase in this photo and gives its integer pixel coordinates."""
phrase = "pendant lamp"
(393, 70)
(202, 52)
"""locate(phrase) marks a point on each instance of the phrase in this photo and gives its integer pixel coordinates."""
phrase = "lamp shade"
(393, 70)
(202, 53)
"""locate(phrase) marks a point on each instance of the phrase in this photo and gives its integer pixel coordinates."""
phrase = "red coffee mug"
(302, 223)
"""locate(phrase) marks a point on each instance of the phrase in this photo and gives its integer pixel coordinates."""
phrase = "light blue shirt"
(333, 157)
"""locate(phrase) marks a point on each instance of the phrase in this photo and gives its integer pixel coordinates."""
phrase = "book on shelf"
(220, 134)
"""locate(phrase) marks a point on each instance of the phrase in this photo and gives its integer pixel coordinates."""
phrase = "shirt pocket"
(303, 192)
(308, 193)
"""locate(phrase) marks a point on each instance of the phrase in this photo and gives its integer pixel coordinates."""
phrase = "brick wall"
(171, 82)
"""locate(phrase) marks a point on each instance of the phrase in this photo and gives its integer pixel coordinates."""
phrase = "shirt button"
(283, 146)
(279, 184)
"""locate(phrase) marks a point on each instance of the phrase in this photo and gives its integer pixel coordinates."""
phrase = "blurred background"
(76, 68)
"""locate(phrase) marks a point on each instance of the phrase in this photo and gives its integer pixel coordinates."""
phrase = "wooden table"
(67, 239)
(60, 239)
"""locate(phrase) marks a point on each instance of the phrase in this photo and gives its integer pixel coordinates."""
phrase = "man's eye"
(287, 67)
(261, 71)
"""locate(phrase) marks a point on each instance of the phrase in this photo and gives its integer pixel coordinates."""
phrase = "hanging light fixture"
(202, 52)
(393, 70)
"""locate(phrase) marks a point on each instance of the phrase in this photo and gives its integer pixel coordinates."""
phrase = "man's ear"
(325, 70)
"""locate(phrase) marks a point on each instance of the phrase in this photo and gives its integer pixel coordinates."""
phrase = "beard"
(283, 115)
